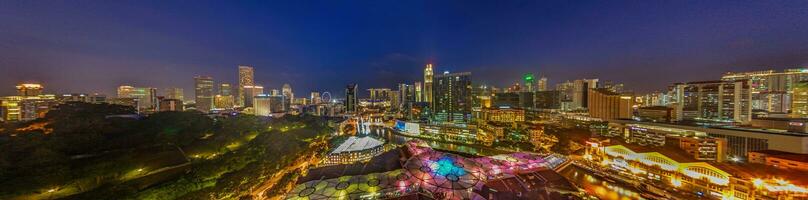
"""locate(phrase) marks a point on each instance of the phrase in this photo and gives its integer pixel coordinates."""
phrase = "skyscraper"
(530, 82)
(799, 102)
(250, 91)
(225, 89)
(453, 98)
(174, 93)
(224, 99)
(315, 98)
(580, 94)
(428, 84)
(125, 91)
(146, 97)
(542, 85)
(203, 93)
(606, 104)
(153, 100)
(771, 90)
(245, 78)
(351, 100)
(419, 94)
(288, 95)
(28, 89)
(713, 100)
(266, 105)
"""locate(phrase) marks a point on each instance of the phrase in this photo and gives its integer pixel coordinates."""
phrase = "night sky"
(95, 46)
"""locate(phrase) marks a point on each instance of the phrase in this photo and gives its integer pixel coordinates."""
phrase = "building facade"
(725, 101)
(203, 93)
(246, 77)
(453, 98)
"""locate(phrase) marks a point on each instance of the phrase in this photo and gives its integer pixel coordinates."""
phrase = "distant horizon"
(188, 92)
(85, 47)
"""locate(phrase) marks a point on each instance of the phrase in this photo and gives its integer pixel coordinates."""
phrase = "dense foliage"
(103, 151)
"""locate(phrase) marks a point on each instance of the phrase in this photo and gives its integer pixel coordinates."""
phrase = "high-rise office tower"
(171, 105)
(607, 104)
(174, 93)
(581, 92)
(223, 102)
(288, 95)
(224, 99)
(453, 97)
(419, 94)
(245, 78)
(799, 101)
(377, 94)
(351, 99)
(251, 91)
(266, 105)
(315, 98)
(530, 82)
(428, 76)
(713, 100)
(29, 90)
(542, 85)
(225, 89)
(155, 102)
(406, 94)
(125, 91)
(146, 98)
(771, 90)
(566, 90)
(203, 93)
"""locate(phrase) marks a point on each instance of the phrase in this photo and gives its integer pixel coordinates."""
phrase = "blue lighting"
(445, 166)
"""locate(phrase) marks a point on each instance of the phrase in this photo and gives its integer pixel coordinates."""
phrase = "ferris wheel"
(326, 96)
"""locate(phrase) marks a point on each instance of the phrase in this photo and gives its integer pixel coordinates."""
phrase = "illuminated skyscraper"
(266, 105)
(146, 97)
(453, 98)
(351, 100)
(379, 93)
(606, 104)
(288, 95)
(223, 102)
(542, 85)
(580, 95)
(245, 78)
(530, 82)
(174, 93)
(728, 101)
(29, 89)
(428, 84)
(125, 91)
(203, 93)
(224, 99)
(251, 91)
(225, 89)
(799, 101)
(419, 92)
(315, 98)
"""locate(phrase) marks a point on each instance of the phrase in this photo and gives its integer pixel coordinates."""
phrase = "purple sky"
(94, 46)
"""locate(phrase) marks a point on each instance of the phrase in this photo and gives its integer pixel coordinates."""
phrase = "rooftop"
(357, 144)
(785, 155)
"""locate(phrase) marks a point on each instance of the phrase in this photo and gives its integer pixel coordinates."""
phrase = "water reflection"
(389, 135)
(598, 187)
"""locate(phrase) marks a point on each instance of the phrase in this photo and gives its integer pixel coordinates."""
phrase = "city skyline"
(397, 40)
(450, 100)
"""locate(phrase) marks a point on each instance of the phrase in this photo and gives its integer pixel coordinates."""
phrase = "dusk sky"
(95, 46)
